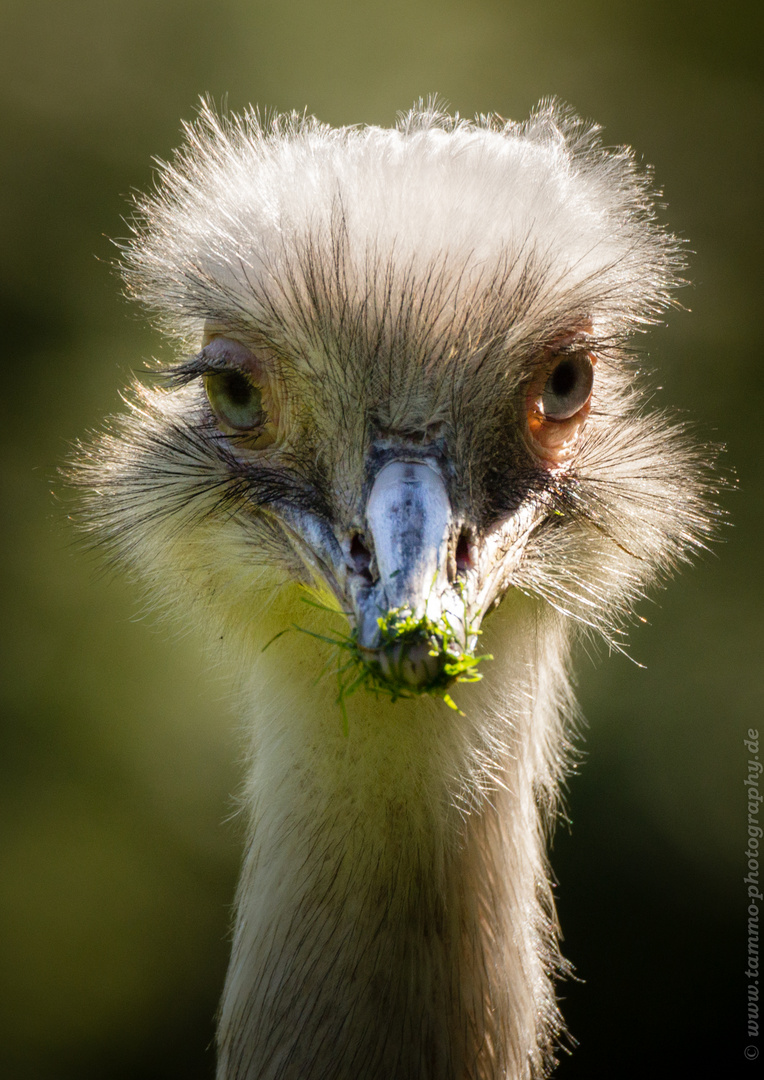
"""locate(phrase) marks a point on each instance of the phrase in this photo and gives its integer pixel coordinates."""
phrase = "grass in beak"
(400, 630)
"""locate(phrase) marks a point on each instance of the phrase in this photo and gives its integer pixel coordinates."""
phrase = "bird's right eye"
(238, 405)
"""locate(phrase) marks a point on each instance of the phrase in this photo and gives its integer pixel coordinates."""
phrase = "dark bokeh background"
(118, 754)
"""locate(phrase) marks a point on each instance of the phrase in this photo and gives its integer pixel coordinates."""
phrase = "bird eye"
(568, 387)
(558, 407)
(236, 402)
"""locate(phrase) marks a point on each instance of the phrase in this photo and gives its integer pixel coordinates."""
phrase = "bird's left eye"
(558, 404)
(568, 387)
(236, 402)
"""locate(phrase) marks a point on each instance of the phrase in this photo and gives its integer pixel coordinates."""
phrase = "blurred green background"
(118, 754)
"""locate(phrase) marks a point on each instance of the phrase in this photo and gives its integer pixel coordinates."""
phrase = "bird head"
(383, 473)
(407, 383)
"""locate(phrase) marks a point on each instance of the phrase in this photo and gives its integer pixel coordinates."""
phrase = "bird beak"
(412, 620)
(413, 604)
(409, 518)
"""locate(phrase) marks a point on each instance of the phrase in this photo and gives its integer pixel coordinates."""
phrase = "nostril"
(463, 556)
(360, 558)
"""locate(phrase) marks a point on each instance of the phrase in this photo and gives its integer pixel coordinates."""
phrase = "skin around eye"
(557, 408)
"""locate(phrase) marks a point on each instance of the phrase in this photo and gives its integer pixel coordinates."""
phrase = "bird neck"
(390, 917)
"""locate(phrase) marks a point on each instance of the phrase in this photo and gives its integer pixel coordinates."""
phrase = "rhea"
(404, 458)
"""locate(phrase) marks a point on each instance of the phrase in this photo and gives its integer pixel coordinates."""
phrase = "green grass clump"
(400, 631)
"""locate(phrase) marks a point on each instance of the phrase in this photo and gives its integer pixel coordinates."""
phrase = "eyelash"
(190, 370)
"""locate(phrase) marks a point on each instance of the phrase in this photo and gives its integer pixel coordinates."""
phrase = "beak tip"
(405, 666)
